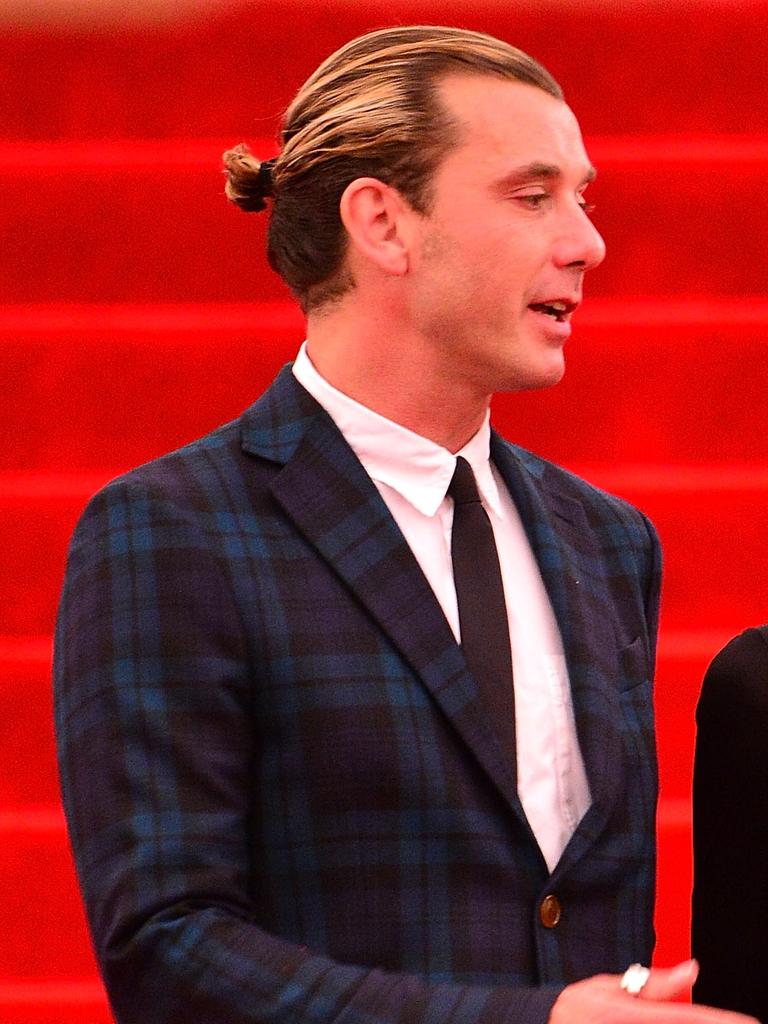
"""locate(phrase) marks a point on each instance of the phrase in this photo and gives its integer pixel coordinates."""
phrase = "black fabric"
(730, 836)
(482, 608)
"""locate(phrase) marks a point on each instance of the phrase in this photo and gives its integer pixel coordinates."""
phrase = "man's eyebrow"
(536, 171)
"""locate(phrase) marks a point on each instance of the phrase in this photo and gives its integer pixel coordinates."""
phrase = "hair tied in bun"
(265, 176)
(249, 180)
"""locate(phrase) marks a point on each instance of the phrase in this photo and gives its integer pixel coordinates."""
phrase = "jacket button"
(550, 911)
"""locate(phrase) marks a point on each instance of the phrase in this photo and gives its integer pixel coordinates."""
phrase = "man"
(730, 838)
(293, 795)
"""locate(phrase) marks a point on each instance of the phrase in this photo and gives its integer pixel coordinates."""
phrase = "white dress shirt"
(412, 475)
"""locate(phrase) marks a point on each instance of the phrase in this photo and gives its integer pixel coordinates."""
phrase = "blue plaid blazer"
(285, 800)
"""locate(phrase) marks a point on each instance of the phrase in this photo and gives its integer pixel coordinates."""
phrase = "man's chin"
(530, 379)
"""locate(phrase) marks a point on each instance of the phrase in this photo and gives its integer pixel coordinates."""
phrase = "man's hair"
(370, 110)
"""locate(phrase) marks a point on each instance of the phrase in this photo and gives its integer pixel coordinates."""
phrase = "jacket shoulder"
(595, 501)
(166, 472)
(183, 489)
(270, 429)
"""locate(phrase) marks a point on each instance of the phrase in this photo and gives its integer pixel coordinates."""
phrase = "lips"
(560, 309)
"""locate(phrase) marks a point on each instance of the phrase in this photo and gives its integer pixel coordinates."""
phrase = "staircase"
(137, 312)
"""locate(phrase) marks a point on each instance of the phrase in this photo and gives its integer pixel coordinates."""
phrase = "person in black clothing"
(730, 828)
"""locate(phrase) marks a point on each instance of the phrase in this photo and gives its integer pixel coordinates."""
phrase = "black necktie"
(482, 609)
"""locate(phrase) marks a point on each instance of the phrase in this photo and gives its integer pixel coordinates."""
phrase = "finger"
(666, 983)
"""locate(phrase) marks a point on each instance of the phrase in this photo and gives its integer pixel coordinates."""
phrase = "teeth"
(557, 309)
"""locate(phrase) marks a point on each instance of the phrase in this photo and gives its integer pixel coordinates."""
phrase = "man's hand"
(601, 1000)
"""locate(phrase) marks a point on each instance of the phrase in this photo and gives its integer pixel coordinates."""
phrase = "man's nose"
(580, 244)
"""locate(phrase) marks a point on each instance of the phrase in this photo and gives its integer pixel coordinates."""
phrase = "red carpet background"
(137, 312)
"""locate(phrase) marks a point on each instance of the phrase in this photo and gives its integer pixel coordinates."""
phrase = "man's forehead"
(478, 92)
(512, 117)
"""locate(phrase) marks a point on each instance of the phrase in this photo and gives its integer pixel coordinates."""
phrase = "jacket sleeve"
(153, 674)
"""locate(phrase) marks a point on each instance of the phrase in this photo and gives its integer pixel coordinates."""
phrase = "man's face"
(503, 250)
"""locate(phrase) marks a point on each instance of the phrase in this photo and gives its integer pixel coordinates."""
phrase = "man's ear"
(377, 220)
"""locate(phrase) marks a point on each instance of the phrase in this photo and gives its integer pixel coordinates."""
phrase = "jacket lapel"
(329, 497)
(571, 566)
(327, 494)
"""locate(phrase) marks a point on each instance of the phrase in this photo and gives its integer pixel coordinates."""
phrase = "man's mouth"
(558, 309)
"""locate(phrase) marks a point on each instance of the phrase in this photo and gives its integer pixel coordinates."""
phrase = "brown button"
(550, 911)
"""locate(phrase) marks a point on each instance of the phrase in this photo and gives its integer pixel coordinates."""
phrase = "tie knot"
(462, 487)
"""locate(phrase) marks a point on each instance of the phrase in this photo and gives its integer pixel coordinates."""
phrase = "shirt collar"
(415, 467)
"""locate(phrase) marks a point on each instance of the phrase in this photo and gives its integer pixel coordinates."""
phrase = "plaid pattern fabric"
(284, 797)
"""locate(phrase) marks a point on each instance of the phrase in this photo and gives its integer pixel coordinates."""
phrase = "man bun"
(249, 180)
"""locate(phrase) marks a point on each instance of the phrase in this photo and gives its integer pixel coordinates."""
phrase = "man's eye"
(534, 201)
(587, 207)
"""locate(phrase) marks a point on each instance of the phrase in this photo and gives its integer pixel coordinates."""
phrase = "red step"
(104, 387)
(34, 532)
(674, 881)
(40, 897)
(683, 658)
(678, 216)
(712, 521)
(224, 68)
(41, 1001)
(86, 388)
(28, 773)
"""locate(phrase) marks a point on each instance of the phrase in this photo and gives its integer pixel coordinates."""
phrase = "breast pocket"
(636, 700)
(634, 670)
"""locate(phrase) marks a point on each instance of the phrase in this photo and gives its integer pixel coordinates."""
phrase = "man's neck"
(397, 377)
